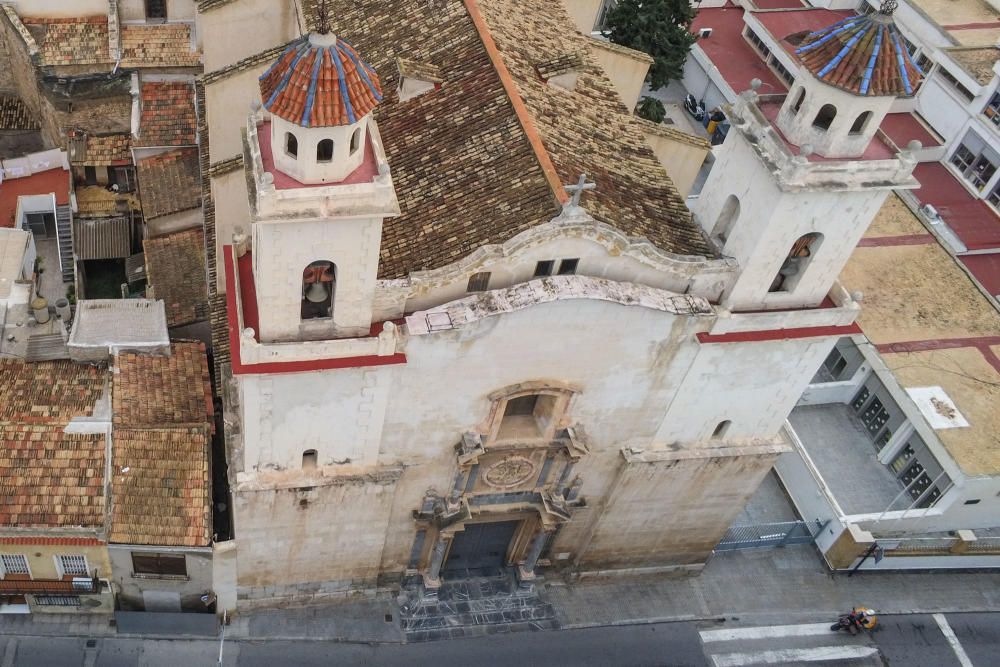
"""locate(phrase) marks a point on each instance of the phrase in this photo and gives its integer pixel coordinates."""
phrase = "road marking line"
(956, 646)
(793, 655)
(765, 632)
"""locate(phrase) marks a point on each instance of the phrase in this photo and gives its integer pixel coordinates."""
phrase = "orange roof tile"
(152, 390)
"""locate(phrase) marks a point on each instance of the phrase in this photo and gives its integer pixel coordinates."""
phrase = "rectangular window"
(123, 177)
(90, 175)
(567, 267)
(156, 9)
(602, 14)
(58, 600)
(924, 63)
(962, 90)
(544, 268)
(73, 565)
(14, 564)
(479, 282)
(757, 42)
(992, 110)
(159, 564)
(786, 76)
(976, 161)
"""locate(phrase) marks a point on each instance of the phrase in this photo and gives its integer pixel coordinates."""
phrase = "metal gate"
(761, 535)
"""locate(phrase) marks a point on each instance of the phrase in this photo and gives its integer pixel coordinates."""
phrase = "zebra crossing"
(799, 644)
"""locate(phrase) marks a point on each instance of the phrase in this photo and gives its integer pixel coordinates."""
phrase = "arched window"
(355, 141)
(794, 266)
(727, 218)
(799, 100)
(309, 459)
(319, 285)
(291, 145)
(825, 117)
(720, 429)
(861, 122)
(324, 150)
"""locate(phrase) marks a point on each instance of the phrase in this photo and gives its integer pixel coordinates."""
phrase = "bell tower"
(799, 178)
(322, 190)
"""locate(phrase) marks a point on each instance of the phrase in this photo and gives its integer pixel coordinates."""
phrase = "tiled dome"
(863, 54)
(314, 84)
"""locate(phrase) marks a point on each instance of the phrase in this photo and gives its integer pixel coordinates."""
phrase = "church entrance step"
(474, 608)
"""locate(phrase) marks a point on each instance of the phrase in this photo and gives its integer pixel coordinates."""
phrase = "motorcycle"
(856, 620)
(694, 107)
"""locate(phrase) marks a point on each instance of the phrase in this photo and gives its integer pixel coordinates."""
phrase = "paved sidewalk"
(789, 584)
(785, 583)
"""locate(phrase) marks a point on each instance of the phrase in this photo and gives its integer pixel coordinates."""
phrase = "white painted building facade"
(594, 401)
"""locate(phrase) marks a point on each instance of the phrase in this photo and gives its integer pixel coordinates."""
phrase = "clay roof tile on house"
(154, 390)
(71, 41)
(167, 116)
(467, 171)
(158, 45)
(169, 182)
(175, 268)
(14, 115)
(107, 150)
(864, 55)
(419, 70)
(50, 478)
(320, 86)
(160, 487)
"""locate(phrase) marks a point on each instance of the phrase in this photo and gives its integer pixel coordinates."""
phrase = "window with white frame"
(992, 110)
(924, 62)
(976, 161)
(602, 14)
(787, 76)
(956, 84)
(14, 564)
(994, 196)
(757, 42)
(72, 565)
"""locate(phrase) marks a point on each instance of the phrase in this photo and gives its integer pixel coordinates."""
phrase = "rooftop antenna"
(323, 15)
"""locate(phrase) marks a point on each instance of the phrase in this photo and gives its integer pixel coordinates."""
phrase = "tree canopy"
(660, 28)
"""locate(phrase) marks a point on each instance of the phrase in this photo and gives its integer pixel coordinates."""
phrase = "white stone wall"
(637, 389)
(771, 220)
(305, 166)
(837, 140)
(242, 29)
(283, 249)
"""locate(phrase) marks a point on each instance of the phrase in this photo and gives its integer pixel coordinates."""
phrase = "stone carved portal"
(509, 472)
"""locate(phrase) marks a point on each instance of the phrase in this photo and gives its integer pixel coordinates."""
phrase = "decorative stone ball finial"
(806, 150)
(858, 296)
(914, 146)
(755, 84)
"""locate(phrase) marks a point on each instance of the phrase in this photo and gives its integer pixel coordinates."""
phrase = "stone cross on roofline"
(578, 189)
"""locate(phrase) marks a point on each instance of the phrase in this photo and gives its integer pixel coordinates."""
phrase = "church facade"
(472, 325)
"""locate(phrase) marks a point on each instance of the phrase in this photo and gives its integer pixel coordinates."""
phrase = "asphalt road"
(915, 641)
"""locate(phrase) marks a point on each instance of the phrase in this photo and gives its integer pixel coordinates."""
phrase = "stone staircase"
(64, 231)
(474, 608)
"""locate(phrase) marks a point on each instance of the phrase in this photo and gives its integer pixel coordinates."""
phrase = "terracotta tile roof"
(50, 478)
(417, 70)
(865, 55)
(175, 268)
(160, 491)
(15, 116)
(71, 41)
(48, 392)
(317, 86)
(976, 61)
(167, 116)
(106, 150)
(464, 167)
(559, 64)
(152, 390)
(169, 182)
(588, 130)
(158, 45)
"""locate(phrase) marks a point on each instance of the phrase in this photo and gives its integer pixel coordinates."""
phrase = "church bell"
(317, 293)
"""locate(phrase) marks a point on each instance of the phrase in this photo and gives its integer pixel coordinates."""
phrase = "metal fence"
(760, 535)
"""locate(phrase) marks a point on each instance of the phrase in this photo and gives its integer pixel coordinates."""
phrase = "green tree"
(652, 109)
(660, 28)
